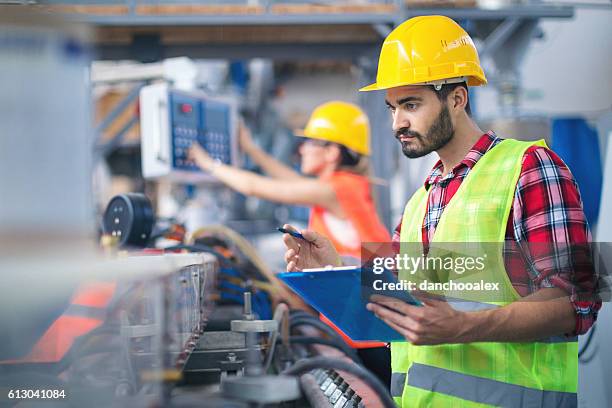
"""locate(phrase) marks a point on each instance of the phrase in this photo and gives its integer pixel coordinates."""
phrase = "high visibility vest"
(542, 373)
(354, 195)
(86, 312)
(355, 198)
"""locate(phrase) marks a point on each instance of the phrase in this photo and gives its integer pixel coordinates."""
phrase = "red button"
(186, 108)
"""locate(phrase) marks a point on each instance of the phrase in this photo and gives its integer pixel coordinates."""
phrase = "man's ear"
(458, 98)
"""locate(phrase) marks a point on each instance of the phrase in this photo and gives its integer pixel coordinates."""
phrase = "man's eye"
(411, 106)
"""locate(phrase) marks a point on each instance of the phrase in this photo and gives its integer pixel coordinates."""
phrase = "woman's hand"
(200, 157)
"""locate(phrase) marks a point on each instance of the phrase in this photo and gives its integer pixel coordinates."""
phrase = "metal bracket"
(254, 326)
(501, 33)
(382, 29)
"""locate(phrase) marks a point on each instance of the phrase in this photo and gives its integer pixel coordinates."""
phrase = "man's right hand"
(315, 252)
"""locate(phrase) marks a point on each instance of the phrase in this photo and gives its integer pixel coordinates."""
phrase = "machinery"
(171, 120)
(199, 323)
(152, 310)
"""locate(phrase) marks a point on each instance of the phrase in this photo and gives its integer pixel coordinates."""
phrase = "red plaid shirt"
(547, 209)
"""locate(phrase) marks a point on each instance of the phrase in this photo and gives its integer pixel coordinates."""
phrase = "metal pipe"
(119, 108)
(248, 308)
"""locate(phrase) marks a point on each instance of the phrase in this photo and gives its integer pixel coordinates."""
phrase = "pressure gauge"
(129, 217)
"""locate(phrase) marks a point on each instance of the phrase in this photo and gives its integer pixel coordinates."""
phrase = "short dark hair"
(447, 89)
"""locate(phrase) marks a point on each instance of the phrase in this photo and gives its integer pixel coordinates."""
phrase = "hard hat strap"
(437, 84)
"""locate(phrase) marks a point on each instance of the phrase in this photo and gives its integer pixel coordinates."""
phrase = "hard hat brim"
(371, 87)
(302, 134)
(470, 80)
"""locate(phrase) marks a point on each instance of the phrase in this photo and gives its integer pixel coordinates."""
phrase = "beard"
(439, 134)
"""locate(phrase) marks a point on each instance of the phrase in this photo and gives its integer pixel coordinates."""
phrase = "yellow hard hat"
(339, 122)
(427, 50)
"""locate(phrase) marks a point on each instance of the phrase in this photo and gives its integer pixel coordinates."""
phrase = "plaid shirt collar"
(483, 145)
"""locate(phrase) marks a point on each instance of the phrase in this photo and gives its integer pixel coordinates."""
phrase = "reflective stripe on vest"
(484, 390)
(397, 384)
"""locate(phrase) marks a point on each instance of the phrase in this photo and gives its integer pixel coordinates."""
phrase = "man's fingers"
(289, 255)
(311, 237)
(292, 255)
(290, 227)
(429, 299)
(292, 267)
(290, 242)
(397, 328)
(395, 304)
(411, 336)
(387, 315)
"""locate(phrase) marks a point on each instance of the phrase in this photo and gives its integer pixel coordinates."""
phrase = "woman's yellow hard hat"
(427, 50)
(339, 122)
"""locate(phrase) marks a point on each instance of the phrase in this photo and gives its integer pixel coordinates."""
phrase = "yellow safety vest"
(543, 373)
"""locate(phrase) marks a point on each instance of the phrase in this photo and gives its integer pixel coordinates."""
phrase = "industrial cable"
(312, 392)
(225, 262)
(298, 312)
(281, 293)
(243, 245)
(268, 287)
(306, 365)
(315, 322)
(271, 346)
(258, 284)
(343, 347)
(281, 314)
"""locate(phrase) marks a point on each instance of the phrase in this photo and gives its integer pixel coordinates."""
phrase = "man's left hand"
(436, 322)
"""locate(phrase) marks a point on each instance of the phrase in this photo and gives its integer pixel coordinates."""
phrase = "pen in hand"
(292, 233)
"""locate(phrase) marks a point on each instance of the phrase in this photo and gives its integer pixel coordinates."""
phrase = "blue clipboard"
(341, 295)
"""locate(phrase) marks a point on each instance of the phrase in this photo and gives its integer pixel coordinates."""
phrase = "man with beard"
(518, 347)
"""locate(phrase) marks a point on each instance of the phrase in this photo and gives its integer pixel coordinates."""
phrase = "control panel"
(171, 121)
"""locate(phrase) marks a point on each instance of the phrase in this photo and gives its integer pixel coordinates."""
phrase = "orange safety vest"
(354, 195)
(86, 312)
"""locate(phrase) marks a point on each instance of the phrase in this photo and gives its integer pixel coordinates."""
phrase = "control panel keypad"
(197, 120)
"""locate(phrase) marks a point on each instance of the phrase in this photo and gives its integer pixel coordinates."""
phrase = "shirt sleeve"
(552, 231)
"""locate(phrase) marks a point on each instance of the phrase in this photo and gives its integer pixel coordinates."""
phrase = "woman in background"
(334, 183)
